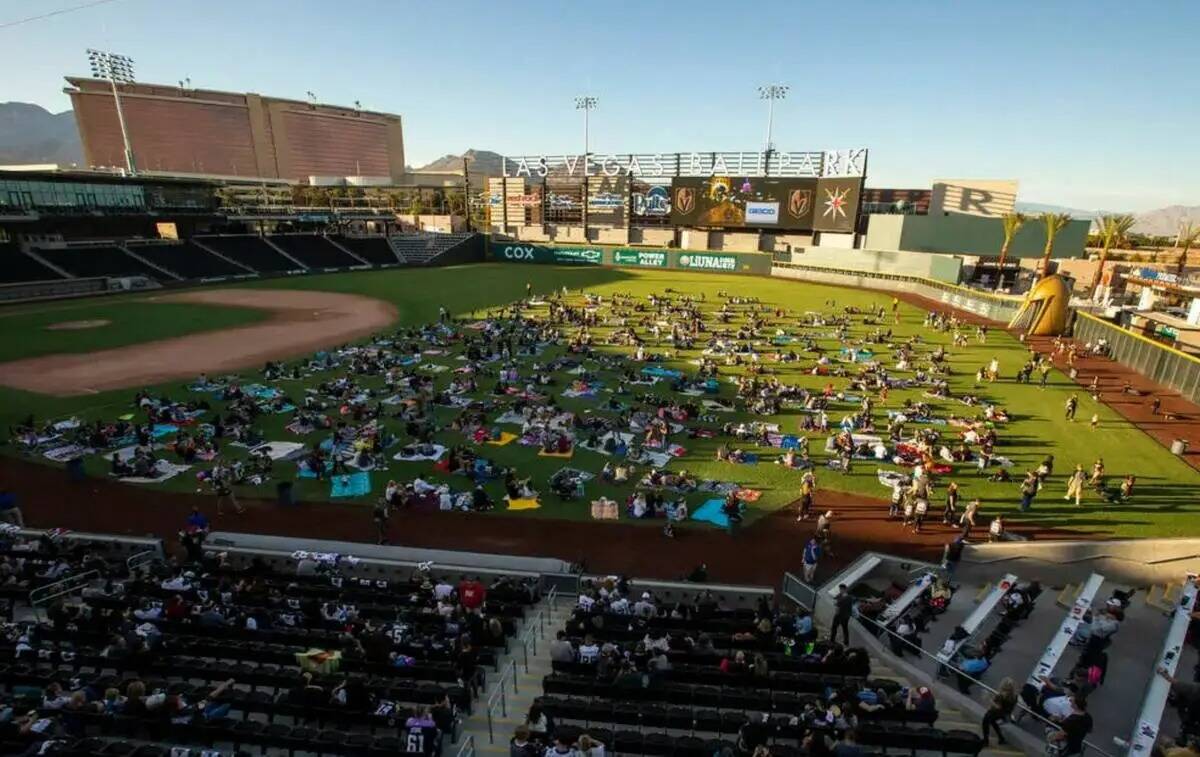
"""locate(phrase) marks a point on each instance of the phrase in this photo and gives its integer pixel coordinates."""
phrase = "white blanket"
(438, 451)
(67, 452)
(165, 470)
(279, 450)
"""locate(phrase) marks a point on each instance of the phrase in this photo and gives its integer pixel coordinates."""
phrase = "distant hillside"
(1161, 222)
(1164, 222)
(480, 162)
(31, 134)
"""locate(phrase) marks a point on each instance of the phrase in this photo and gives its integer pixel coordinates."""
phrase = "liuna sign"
(708, 261)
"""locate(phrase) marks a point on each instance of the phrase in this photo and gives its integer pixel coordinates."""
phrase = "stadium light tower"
(117, 69)
(771, 93)
(586, 103)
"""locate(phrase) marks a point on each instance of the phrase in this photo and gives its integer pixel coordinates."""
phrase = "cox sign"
(517, 252)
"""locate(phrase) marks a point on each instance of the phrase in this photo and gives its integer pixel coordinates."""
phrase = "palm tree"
(1012, 224)
(1112, 233)
(1055, 222)
(1189, 234)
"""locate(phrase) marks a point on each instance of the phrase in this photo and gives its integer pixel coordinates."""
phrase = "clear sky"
(1088, 103)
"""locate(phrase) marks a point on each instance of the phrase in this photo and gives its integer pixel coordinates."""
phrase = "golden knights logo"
(799, 201)
(685, 199)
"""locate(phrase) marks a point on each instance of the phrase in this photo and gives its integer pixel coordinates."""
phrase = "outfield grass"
(25, 331)
(1164, 504)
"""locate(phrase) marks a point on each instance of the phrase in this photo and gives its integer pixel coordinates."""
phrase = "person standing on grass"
(224, 490)
(1029, 488)
(812, 554)
(993, 370)
(1044, 370)
(1075, 485)
(1127, 487)
(1072, 406)
(808, 487)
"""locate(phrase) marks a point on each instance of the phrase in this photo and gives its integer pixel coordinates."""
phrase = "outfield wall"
(994, 307)
(1154, 360)
(629, 257)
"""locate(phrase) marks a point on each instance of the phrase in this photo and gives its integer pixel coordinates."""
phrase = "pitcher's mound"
(78, 325)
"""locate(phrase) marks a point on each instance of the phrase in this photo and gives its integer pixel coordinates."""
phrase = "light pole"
(116, 68)
(771, 93)
(586, 103)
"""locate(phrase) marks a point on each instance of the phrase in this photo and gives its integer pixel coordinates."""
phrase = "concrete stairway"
(511, 691)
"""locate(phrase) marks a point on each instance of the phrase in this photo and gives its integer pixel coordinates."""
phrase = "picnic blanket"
(505, 438)
(512, 418)
(68, 424)
(659, 372)
(435, 455)
(160, 430)
(605, 509)
(564, 455)
(712, 511)
(352, 485)
(620, 437)
(165, 470)
(67, 452)
(523, 504)
(748, 495)
(279, 450)
(719, 407)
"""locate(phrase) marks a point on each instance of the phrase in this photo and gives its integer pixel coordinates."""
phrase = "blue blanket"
(163, 429)
(656, 370)
(353, 485)
(712, 512)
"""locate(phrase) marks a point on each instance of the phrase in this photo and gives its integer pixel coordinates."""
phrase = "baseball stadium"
(681, 453)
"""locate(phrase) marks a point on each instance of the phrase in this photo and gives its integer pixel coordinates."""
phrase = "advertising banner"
(836, 204)
(726, 201)
(533, 253)
(651, 200)
(643, 258)
(708, 261)
(607, 198)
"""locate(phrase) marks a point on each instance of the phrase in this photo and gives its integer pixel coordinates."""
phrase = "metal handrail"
(790, 580)
(138, 559)
(499, 697)
(467, 748)
(959, 671)
(61, 588)
(552, 598)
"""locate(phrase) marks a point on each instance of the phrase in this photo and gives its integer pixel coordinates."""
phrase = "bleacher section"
(721, 677)
(17, 267)
(188, 260)
(250, 250)
(422, 248)
(314, 251)
(162, 639)
(98, 260)
(374, 250)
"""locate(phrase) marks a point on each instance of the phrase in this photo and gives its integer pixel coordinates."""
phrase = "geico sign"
(518, 253)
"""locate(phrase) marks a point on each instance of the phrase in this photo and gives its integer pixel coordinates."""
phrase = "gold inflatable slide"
(1046, 309)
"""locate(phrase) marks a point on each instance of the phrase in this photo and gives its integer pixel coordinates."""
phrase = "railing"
(498, 699)
(987, 304)
(1024, 708)
(46, 594)
(138, 559)
(799, 592)
(467, 748)
(1158, 362)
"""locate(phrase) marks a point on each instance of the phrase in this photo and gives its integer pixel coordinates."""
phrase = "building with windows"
(200, 131)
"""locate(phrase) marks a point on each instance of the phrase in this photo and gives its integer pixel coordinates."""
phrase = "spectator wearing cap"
(644, 607)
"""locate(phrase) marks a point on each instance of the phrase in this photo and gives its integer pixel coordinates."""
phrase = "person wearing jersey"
(421, 735)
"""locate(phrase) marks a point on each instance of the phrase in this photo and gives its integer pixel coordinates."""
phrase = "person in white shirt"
(644, 607)
(589, 651)
(586, 602)
(620, 605)
(443, 589)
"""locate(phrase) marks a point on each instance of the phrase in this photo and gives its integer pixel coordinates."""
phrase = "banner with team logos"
(836, 204)
(743, 202)
(716, 262)
(640, 258)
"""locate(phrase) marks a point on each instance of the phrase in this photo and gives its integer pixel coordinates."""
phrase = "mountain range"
(1160, 222)
(480, 162)
(31, 134)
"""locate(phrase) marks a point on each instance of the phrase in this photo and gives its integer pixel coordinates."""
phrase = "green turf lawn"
(24, 330)
(1164, 502)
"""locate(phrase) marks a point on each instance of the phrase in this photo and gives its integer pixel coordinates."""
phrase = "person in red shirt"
(471, 593)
